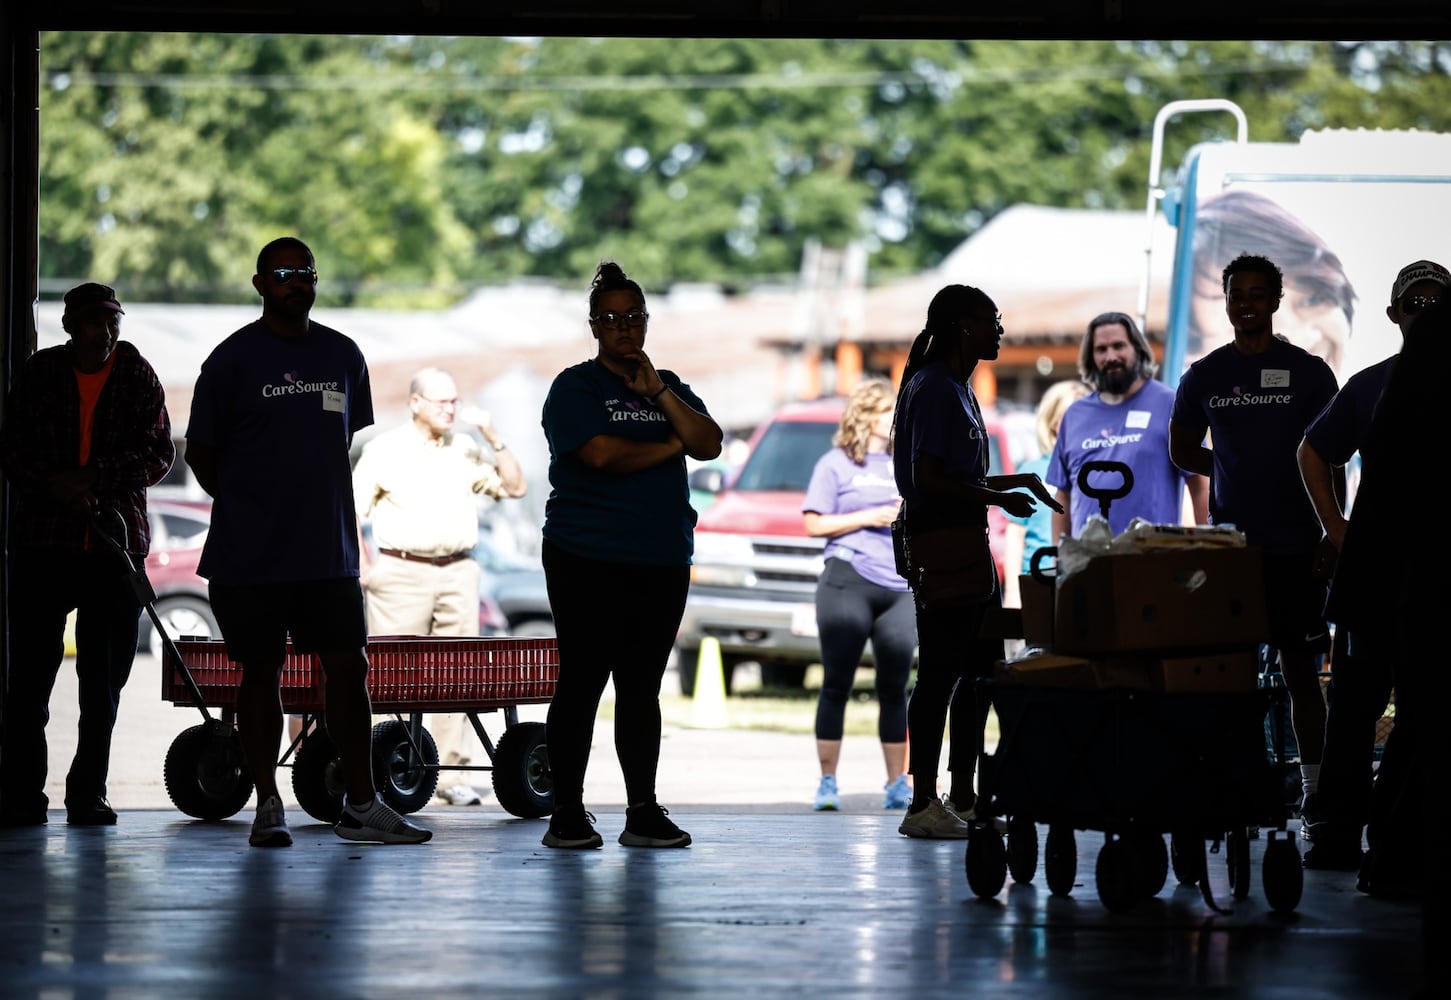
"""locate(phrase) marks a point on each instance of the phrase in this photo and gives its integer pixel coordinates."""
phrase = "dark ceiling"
(1128, 19)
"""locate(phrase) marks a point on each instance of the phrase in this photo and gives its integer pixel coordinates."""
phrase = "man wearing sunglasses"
(273, 417)
(1362, 661)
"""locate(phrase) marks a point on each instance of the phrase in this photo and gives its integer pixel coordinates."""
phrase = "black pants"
(952, 657)
(45, 586)
(850, 609)
(1360, 686)
(612, 621)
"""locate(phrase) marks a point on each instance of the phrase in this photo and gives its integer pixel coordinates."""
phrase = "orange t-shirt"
(89, 385)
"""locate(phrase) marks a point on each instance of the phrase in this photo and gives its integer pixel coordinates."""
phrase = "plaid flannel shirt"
(131, 448)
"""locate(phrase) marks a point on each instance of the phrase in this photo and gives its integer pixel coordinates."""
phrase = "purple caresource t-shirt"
(1134, 432)
(840, 486)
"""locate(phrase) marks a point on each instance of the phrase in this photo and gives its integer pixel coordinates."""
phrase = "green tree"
(419, 167)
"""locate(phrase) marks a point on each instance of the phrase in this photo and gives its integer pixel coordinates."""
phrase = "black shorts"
(1294, 602)
(320, 615)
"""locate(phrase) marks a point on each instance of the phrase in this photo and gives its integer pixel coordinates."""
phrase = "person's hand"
(477, 417)
(1021, 504)
(880, 517)
(1047, 496)
(645, 380)
(74, 488)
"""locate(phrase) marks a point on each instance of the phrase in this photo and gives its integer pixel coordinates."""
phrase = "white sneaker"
(460, 795)
(378, 823)
(269, 829)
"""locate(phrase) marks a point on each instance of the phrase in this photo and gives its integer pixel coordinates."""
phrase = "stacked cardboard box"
(1182, 619)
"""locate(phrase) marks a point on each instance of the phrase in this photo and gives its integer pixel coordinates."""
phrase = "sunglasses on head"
(283, 275)
(1412, 304)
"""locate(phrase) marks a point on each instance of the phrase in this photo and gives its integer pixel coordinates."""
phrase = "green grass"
(752, 707)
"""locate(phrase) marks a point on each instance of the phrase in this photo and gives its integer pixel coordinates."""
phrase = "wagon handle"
(146, 595)
(1105, 494)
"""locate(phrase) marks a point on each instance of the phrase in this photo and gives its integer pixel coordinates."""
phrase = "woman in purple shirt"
(851, 501)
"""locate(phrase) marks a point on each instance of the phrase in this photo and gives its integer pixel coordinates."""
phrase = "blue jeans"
(45, 586)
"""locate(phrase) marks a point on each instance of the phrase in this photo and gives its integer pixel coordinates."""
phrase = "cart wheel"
(1115, 875)
(406, 777)
(1151, 863)
(317, 776)
(1186, 855)
(206, 772)
(986, 860)
(1060, 861)
(522, 781)
(1022, 849)
(1237, 857)
(1283, 877)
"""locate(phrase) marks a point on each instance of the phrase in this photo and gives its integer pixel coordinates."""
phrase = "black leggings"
(850, 610)
(611, 620)
(951, 658)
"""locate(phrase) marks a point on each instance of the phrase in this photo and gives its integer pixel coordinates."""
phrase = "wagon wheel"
(317, 776)
(1284, 880)
(1115, 875)
(1022, 849)
(405, 776)
(1151, 863)
(1186, 854)
(986, 861)
(206, 771)
(1237, 857)
(1060, 860)
(523, 783)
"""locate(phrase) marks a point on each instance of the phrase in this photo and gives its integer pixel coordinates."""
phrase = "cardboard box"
(1037, 600)
(1226, 671)
(1160, 601)
(1047, 670)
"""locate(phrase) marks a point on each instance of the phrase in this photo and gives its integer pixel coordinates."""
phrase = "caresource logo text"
(293, 388)
(1251, 399)
(1109, 440)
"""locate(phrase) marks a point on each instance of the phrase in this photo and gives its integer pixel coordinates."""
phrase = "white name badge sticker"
(334, 402)
(1137, 418)
(1274, 378)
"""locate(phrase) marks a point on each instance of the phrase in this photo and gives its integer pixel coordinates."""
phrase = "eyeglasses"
(283, 275)
(1412, 304)
(997, 323)
(634, 319)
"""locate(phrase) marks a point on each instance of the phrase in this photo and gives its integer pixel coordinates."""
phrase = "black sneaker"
(97, 812)
(1334, 855)
(649, 826)
(571, 827)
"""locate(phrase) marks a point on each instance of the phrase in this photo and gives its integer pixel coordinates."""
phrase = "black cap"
(92, 294)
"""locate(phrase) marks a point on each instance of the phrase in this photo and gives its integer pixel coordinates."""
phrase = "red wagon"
(206, 772)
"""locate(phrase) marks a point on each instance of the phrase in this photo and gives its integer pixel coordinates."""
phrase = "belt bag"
(950, 565)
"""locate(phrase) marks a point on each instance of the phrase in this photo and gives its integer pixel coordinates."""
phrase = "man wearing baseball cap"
(85, 434)
(1363, 658)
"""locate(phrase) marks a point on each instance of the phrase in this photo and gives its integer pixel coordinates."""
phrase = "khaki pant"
(414, 598)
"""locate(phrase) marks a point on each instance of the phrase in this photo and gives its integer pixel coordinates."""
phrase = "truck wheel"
(786, 676)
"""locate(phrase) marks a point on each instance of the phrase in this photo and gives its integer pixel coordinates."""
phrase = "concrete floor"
(772, 899)
(762, 905)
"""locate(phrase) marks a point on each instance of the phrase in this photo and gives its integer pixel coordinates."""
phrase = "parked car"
(178, 529)
(753, 582)
(514, 584)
